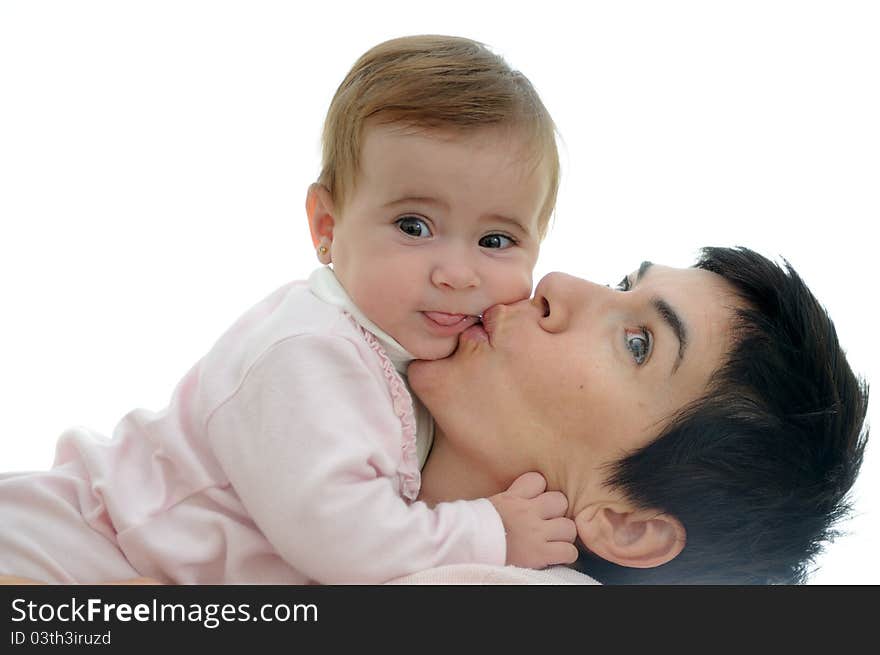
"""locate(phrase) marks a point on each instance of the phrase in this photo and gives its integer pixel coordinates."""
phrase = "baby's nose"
(455, 273)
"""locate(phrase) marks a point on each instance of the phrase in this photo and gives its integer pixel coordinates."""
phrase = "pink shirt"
(286, 455)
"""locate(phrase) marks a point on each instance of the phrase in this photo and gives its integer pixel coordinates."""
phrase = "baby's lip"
(446, 319)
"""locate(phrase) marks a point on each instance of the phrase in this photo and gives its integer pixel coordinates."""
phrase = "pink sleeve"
(310, 444)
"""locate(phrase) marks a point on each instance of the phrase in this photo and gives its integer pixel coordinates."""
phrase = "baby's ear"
(320, 212)
(636, 538)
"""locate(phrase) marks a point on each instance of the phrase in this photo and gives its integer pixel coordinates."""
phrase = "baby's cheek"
(514, 286)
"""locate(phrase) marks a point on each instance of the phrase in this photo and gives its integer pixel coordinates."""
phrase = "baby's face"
(438, 229)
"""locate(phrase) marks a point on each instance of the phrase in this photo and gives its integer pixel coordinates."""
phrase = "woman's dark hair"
(759, 470)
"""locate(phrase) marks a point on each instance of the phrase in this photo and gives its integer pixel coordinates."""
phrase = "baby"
(291, 452)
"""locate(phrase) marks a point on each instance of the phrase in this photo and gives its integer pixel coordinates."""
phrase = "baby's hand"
(538, 534)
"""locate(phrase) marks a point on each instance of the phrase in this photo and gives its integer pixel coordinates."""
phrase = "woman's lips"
(447, 325)
(482, 331)
(475, 332)
(490, 317)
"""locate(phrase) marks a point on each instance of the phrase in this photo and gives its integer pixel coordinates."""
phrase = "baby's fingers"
(560, 529)
(559, 552)
(528, 485)
(552, 504)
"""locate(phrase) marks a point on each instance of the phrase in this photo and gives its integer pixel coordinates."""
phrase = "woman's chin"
(422, 375)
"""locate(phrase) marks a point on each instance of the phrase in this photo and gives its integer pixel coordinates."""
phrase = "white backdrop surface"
(154, 158)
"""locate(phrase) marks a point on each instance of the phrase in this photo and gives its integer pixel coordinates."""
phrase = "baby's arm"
(305, 443)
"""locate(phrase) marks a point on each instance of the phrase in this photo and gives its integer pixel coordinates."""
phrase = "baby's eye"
(639, 344)
(499, 241)
(413, 226)
(623, 285)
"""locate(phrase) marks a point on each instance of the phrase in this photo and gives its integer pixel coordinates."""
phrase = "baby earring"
(322, 250)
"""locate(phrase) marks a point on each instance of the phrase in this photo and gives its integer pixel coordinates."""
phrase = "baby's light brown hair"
(437, 83)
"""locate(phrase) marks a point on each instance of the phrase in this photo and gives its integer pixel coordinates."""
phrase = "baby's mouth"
(448, 320)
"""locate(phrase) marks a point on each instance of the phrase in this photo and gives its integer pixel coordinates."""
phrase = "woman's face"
(579, 375)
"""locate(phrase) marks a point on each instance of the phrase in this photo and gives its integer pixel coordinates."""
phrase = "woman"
(703, 423)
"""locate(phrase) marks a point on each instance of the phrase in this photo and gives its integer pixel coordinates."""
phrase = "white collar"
(325, 285)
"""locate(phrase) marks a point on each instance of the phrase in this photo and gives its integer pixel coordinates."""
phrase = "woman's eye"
(414, 227)
(639, 344)
(498, 241)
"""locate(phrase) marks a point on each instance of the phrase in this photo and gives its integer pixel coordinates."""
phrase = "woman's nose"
(562, 297)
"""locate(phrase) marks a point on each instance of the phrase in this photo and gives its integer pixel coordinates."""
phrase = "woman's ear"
(320, 212)
(636, 538)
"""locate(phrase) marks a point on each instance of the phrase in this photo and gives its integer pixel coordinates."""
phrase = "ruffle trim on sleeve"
(408, 472)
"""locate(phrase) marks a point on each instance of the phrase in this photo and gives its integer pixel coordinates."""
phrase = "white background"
(154, 158)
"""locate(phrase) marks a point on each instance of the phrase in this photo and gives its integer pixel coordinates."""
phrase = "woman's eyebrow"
(669, 316)
(673, 320)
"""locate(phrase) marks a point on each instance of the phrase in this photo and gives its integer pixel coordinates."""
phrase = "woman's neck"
(450, 475)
